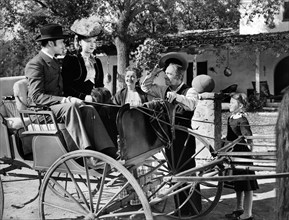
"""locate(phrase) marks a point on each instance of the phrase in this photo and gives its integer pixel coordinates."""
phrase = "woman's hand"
(88, 98)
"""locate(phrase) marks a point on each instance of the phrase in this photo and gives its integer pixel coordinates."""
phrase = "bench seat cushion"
(16, 123)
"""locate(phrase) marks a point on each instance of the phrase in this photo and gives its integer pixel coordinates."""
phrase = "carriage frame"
(129, 182)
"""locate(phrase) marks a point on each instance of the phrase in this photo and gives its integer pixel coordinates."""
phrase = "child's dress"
(238, 125)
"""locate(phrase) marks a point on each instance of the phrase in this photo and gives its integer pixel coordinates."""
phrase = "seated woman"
(81, 72)
(131, 93)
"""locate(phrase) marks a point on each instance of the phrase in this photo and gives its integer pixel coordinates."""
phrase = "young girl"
(238, 125)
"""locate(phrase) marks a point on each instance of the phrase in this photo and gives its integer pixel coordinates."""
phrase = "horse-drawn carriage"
(144, 183)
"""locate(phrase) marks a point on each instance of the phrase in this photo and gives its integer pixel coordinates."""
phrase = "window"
(286, 11)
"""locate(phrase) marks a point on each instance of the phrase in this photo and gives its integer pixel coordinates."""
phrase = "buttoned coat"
(74, 74)
(44, 80)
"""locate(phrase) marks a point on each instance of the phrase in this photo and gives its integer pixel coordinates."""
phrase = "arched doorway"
(281, 76)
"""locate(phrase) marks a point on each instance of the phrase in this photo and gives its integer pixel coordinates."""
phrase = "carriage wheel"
(180, 200)
(104, 192)
(1, 199)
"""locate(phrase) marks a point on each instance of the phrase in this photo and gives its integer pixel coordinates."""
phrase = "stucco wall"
(243, 68)
(242, 65)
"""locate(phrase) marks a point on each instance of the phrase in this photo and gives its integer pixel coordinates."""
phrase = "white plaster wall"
(107, 63)
(242, 66)
(258, 24)
(243, 71)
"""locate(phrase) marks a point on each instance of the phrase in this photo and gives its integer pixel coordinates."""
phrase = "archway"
(281, 76)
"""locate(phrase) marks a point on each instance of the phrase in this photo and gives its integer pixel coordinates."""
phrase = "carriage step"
(247, 153)
(273, 104)
(272, 109)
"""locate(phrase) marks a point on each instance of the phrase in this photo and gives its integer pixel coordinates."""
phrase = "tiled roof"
(206, 38)
(218, 38)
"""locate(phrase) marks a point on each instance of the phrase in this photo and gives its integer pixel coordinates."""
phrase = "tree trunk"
(122, 47)
(282, 190)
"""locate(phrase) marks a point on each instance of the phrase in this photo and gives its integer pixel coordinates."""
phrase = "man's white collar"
(45, 52)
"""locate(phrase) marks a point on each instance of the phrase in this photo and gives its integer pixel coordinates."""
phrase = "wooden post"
(195, 71)
(257, 71)
(207, 121)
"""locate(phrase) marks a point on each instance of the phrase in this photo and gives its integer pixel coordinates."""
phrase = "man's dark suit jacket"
(44, 80)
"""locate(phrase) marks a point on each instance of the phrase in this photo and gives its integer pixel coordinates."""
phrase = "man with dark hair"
(46, 88)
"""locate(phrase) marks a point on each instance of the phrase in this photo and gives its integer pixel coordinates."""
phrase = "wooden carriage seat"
(142, 132)
(20, 90)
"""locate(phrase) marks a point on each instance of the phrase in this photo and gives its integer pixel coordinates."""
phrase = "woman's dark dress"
(74, 74)
(239, 126)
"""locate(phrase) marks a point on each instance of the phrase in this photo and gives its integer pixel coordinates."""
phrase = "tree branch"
(41, 3)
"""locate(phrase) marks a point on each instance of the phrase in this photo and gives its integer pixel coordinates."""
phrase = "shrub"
(256, 102)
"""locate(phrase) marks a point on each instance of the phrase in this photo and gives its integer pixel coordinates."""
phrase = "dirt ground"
(18, 190)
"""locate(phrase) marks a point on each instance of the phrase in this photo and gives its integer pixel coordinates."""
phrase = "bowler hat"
(173, 57)
(51, 32)
(87, 27)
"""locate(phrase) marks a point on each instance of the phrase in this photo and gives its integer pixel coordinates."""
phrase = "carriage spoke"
(168, 162)
(182, 152)
(88, 184)
(161, 162)
(205, 197)
(68, 194)
(113, 198)
(65, 209)
(76, 185)
(172, 155)
(101, 187)
(190, 201)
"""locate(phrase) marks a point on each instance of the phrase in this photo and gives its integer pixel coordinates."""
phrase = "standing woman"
(82, 71)
(131, 93)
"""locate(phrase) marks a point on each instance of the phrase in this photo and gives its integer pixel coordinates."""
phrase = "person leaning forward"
(175, 90)
(46, 88)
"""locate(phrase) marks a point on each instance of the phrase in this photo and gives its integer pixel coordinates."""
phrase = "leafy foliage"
(147, 55)
(23, 19)
(265, 8)
(209, 14)
(127, 22)
(256, 102)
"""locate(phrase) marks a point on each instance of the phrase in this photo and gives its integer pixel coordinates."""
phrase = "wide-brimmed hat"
(87, 27)
(51, 32)
(173, 57)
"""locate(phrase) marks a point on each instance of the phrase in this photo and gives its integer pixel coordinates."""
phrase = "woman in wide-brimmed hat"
(82, 72)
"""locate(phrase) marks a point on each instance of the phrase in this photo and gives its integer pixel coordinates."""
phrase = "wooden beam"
(257, 71)
(195, 71)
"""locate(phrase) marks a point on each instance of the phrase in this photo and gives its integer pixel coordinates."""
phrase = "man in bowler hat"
(46, 88)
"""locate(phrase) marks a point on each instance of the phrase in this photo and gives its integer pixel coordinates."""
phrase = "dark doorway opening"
(281, 76)
(114, 79)
(202, 68)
